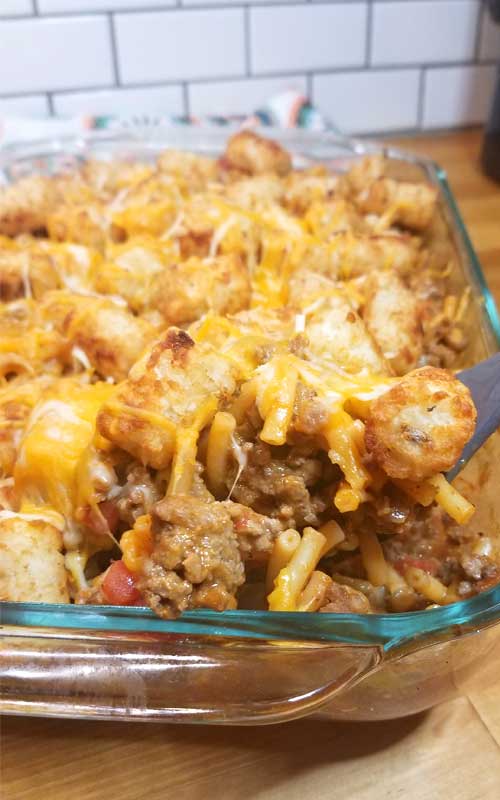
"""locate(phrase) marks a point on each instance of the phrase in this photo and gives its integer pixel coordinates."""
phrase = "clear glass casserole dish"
(243, 667)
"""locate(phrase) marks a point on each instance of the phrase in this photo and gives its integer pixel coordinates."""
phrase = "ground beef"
(477, 567)
(341, 599)
(196, 561)
(137, 496)
(443, 342)
(411, 529)
(279, 487)
(199, 487)
(309, 413)
(256, 533)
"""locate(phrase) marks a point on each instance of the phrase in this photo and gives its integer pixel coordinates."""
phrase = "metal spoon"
(483, 381)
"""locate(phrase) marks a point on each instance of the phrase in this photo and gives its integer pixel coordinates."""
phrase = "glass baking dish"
(247, 667)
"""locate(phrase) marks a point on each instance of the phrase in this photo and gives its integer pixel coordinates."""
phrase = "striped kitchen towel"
(289, 109)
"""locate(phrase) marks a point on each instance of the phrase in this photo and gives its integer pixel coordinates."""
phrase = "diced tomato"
(430, 565)
(110, 513)
(119, 586)
(99, 519)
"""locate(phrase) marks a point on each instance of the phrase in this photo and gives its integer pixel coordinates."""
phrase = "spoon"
(483, 382)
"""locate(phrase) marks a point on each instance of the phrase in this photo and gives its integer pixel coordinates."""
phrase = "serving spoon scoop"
(483, 382)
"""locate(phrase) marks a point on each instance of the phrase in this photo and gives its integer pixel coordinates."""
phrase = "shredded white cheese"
(118, 203)
(241, 458)
(25, 272)
(300, 323)
(219, 234)
(81, 357)
(175, 227)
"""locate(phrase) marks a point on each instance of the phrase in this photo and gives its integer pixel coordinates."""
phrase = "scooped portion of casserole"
(228, 383)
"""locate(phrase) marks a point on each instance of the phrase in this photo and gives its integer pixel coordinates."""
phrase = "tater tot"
(363, 173)
(88, 224)
(250, 192)
(308, 285)
(253, 155)
(31, 267)
(108, 334)
(194, 170)
(25, 205)
(15, 407)
(308, 186)
(129, 269)
(164, 391)
(351, 255)
(336, 332)
(411, 205)
(31, 563)
(392, 317)
(324, 220)
(421, 425)
(184, 292)
(108, 177)
(25, 274)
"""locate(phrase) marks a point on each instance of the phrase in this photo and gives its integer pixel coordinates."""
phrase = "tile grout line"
(185, 98)
(345, 70)
(421, 98)
(309, 87)
(50, 101)
(177, 5)
(247, 41)
(479, 28)
(114, 48)
(369, 31)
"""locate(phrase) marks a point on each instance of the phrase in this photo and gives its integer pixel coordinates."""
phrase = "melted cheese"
(75, 562)
(35, 515)
(59, 433)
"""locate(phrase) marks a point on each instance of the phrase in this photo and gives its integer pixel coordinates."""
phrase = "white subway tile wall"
(378, 100)
(15, 8)
(371, 65)
(179, 45)
(232, 2)
(298, 37)
(238, 97)
(31, 105)
(457, 96)
(54, 53)
(152, 100)
(424, 31)
(70, 6)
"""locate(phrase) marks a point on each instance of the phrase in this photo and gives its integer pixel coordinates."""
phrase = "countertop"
(452, 751)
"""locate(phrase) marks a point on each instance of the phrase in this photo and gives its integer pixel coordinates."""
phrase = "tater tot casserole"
(231, 383)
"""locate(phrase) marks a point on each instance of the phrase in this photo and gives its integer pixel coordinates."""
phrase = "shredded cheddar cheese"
(59, 432)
